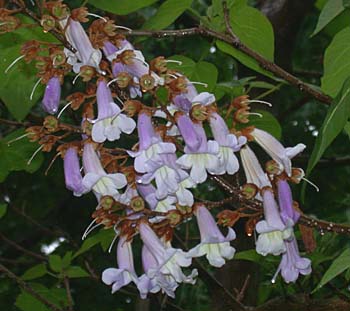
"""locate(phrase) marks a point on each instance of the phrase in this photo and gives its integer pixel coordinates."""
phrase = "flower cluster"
(147, 188)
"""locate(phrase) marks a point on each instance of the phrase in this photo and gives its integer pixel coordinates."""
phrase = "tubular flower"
(292, 264)
(285, 200)
(276, 150)
(213, 244)
(125, 273)
(252, 168)
(110, 122)
(96, 178)
(85, 53)
(150, 144)
(272, 231)
(156, 283)
(203, 159)
(52, 95)
(228, 143)
(72, 175)
(169, 260)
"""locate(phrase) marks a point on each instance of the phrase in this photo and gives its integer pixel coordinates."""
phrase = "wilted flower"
(213, 244)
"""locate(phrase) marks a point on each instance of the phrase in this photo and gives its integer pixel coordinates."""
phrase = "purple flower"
(96, 178)
(272, 231)
(72, 175)
(125, 273)
(52, 95)
(285, 200)
(110, 122)
(169, 260)
(150, 144)
(228, 143)
(156, 283)
(252, 168)
(213, 244)
(276, 150)
(292, 264)
(202, 159)
(86, 54)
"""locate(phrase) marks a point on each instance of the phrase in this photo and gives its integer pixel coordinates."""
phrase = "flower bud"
(228, 218)
(87, 73)
(51, 124)
(147, 83)
(48, 23)
(123, 79)
(107, 202)
(174, 218)
(137, 204)
(249, 191)
(52, 95)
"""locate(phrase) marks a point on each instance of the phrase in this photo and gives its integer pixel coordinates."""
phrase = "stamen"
(32, 2)
(112, 243)
(118, 98)
(312, 184)
(273, 280)
(255, 114)
(116, 116)
(91, 229)
(110, 82)
(52, 162)
(63, 109)
(87, 229)
(13, 63)
(258, 101)
(171, 75)
(76, 77)
(98, 16)
(34, 154)
(173, 61)
(81, 169)
(17, 138)
(1, 24)
(123, 27)
(34, 88)
(54, 59)
(199, 83)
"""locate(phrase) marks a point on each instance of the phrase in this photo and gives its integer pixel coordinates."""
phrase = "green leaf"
(255, 31)
(26, 302)
(336, 63)
(267, 123)
(167, 13)
(346, 3)
(331, 10)
(198, 72)
(76, 272)
(67, 259)
(121, 7)
(17, 84)
(55, 263)
(100, 237)
(3, 210)
(34, 272)
(250, 255)
(15, 157)
(339, 265)
(347, 128)
(333, 124)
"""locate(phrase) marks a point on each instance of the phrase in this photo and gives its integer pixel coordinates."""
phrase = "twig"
(22, 249)
(28, 288)
(236, 43)
(69, 294)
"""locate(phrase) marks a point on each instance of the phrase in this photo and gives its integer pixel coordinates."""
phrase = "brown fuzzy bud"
(107, 202)
(241, 115)
(273, 168)
(57, 9)
(249, 191)
(58, 57)
(76, 99)
(34, 133)
(250, 226)
(51, 124)
(132, 107)
(174, 218)
(123, 79)
(159, 65)
(228, 218)
(9, 23)
(30, 50)
(297, 175)
(137, 204)
(87, 73)
(199, 113)
(147, 83)
(80, 14)
(48, 23)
